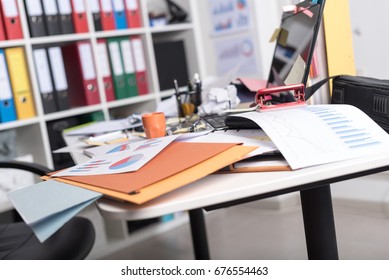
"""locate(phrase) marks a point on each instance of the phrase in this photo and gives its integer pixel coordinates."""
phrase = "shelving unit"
(32, 134)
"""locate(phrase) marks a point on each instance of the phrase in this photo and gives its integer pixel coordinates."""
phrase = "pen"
(178, 98)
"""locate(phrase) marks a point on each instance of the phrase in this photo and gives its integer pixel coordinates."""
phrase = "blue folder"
(119, 11)
(7, 106)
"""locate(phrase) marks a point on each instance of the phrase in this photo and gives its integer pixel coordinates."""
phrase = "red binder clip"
(263, 98)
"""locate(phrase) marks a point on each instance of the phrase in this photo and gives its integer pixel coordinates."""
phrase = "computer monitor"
(295, 45)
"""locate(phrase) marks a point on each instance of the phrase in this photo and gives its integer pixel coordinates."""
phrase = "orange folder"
(177, 165)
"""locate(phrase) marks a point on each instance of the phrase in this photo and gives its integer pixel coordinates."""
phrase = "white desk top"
(219, 188)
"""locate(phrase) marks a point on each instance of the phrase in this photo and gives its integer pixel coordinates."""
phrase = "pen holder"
(154, 124)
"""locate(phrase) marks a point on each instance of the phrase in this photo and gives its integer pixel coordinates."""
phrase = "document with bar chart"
(318, 134)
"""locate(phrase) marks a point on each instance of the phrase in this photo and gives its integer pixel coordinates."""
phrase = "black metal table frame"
(317, 211)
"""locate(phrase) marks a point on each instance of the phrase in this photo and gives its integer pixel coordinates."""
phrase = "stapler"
(264, 97)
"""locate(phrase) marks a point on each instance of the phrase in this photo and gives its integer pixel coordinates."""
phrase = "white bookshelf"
(32, 133)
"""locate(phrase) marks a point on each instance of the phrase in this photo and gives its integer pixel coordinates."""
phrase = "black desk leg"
(199, 234)
(319, 223)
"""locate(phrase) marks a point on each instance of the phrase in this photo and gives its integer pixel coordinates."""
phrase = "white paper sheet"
(122, 158)
(319, 134)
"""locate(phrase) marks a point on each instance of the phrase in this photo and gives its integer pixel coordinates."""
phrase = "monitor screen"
(294, 47)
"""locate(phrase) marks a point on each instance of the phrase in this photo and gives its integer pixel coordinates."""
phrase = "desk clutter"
(140, 169)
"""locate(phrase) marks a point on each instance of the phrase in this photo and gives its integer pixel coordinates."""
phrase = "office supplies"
(80, 70)
(7, 106)
(59, 78)
(48, 205)
(35, 16)
(164, 172)
(95, 9)
(119, 13)
(51, 16)
(65, 16)
(11, 17)
(154, 124)
(177, 93)
(3, 35)
(129, 67)
(45, 83)
(20, 82)
(79, 17)
(140, 65)
(263, 98)
(104, 68)
(107, 15)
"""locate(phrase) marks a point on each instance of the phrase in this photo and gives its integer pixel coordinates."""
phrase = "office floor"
(250, 231)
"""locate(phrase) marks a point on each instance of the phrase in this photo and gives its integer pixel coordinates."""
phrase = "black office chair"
(73, 241)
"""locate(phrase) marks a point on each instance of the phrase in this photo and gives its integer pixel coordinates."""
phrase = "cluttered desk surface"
(220, 188)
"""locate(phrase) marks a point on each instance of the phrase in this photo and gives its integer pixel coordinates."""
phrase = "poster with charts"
(237, 51)
(229, 16)
(125, 157)
(318, 134)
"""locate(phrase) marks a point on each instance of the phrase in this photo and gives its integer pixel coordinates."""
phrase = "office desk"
(223, 190)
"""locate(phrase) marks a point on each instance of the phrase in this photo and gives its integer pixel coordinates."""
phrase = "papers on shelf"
(319, 134)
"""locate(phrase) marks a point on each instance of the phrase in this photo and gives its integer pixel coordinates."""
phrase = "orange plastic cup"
(154, 124)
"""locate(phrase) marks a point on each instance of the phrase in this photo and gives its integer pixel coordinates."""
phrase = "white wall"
(369, 23)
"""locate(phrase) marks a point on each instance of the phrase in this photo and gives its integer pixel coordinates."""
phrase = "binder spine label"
(43, 71)
(10, 9)
(106, 6)
(127, 56)
(59, 74)
(138, 55)
(50, 7)
(115, 57)
(87, 62)
(118, 5)
(94, 6)
(103, 62)
(5, 87)
(34, 8)
(79, 6)
(132, 5)
(64, 7)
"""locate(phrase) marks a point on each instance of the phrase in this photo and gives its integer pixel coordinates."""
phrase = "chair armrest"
(36, 168)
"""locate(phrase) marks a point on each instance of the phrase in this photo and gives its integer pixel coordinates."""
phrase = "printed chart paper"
(122, 158)
(319, 134)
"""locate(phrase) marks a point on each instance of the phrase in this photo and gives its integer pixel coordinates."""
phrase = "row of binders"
(67, 77)
(16, 98)
(55, 17)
